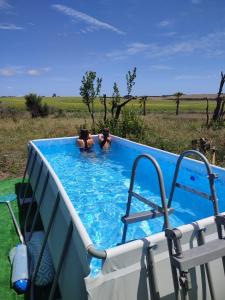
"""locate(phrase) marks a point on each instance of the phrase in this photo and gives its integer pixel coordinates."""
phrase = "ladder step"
(200, 255)
(194, 191)
(146, 201)
(142, 216)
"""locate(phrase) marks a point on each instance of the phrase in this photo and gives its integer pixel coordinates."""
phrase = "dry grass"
(162, 131)
(15, 134)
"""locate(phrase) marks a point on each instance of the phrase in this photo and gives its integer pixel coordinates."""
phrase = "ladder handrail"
(161, 185)
(160, 179)
(211, 177)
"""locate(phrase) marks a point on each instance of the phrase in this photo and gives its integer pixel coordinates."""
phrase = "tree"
(143, 100)
(35, 107)
(103, 101)
(178, 95)
(53, 95)
(89, 90)
(130, 78)
(220, 102)
(115, 99)
(207, 111)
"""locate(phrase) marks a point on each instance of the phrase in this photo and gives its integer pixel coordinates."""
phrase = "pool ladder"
(156, 211)
(183, 261)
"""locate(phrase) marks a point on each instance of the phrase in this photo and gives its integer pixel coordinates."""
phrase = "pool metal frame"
(33, 155)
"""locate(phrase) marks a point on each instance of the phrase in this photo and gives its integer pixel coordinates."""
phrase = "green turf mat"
(8, 186)
(8, 239)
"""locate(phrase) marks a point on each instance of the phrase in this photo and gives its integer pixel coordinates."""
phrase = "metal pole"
(39, 205)
(15, 222)
(154, 289)
(33, 277)
(201, 241)
(25, 171)
(31, 172)
(62, 256)
(32, 199)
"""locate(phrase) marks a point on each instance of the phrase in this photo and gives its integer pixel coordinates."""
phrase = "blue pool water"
(97, 184)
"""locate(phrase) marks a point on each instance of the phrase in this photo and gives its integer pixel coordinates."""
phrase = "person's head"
(84, 133)
(105, 132)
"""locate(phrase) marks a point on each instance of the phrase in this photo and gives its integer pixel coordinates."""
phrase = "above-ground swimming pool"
(97, 185)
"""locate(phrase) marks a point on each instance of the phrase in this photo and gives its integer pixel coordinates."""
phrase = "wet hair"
(105, 132)
(84, 133)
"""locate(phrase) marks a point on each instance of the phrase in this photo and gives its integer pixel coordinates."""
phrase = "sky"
(47, 46)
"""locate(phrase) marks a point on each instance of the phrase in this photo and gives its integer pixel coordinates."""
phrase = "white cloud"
(212, 45)
(10, 27)
(33, 72)
(137, 48)
(169, 34)
(18, 70)
(164, 23)
(4, 4)
(82, 17)
(193, 77)
(38, 71)
(7, 72)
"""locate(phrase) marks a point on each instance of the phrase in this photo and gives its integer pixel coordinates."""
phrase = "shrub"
(35, 107)
(129, 125)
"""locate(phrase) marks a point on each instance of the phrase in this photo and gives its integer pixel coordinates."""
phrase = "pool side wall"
(124, 273)
(76, 261)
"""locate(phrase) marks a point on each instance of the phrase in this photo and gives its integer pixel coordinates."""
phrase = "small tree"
(220, 102)
(89, 90)
(35, 107)
(178, 95)
(115, 99)
(130, 78)
(103, 101)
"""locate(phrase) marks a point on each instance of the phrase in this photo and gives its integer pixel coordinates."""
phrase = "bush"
(129, 125)
(35, 107)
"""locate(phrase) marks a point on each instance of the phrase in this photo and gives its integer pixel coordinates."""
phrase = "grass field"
(163, 131)
(70, 104)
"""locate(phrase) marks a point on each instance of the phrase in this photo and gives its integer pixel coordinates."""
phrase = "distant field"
(155, 104)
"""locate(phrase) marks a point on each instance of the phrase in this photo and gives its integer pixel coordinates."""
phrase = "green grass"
(8, 239)
(71, 104)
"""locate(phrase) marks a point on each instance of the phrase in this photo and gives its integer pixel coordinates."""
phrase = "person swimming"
(85, 140)
(104, 139)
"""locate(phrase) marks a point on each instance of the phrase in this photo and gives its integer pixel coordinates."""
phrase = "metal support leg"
(25, 171)
(31, 172)
(38, 207)
(220, 224)
(201, 241)
(174, 245)
(33, 277)
(32, 199)
(185, 283)
(62, 256)
(152, 274)
(174, 271)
